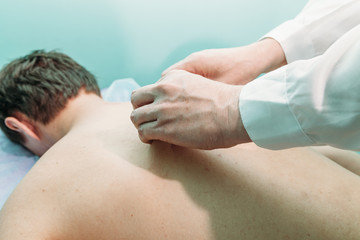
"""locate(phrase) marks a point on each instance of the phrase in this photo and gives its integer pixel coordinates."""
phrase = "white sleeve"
(316, 28)
(308, 102)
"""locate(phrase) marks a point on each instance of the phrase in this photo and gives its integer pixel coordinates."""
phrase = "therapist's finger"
(143, 115)
(181, 65)
(142, 96)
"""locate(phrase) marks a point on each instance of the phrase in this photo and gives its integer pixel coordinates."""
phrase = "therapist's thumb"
(172, 67)
(181, 65)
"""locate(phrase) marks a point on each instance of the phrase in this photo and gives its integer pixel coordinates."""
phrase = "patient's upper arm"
(18, 224)
(347, 159)
(32, 211)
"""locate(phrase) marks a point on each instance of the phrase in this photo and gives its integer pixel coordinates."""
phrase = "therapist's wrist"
(238, 132)
(269, 55)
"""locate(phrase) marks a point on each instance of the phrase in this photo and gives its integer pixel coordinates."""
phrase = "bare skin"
(101, 182)
(236, 66)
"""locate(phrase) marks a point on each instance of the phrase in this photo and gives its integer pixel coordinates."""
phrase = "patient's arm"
(87, 187)
(347, 159)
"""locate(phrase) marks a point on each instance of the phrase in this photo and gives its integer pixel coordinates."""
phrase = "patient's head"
(37, 87)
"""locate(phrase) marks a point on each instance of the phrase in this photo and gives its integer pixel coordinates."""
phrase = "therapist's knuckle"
(166, 88)
(133, 95)
(134, 99)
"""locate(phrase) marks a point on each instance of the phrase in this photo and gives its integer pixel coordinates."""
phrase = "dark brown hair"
(39, 85)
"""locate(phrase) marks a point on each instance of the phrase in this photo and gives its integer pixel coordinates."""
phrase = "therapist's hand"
(236, 66)
(188, 110)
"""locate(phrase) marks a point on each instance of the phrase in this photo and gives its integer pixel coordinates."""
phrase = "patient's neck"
(77, 110)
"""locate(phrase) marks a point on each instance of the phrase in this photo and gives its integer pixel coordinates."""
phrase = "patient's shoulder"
(40, 206)
(59, 195)
(31, 210)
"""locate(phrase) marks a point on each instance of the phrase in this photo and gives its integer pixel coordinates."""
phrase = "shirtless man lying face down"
(96, 180)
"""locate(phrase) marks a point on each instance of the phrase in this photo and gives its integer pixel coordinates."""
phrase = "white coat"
(315, 99)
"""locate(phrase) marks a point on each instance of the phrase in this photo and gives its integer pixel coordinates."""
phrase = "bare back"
(101, 182)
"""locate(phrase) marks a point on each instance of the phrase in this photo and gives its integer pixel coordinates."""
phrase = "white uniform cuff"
(294, 40)
(266, 115)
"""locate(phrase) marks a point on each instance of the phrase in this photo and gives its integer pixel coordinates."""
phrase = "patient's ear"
(22, 126)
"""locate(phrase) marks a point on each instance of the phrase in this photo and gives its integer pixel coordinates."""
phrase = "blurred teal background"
(134, 38)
